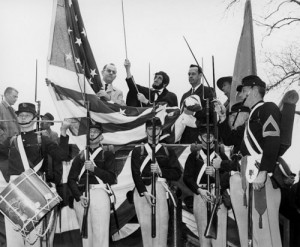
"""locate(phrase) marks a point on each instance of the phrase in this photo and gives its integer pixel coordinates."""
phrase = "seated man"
(99, 165)
(140, 96)
(164, 167)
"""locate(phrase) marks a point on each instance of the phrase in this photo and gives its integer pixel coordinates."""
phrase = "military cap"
(153, 121)
(49, 116)
(26, 107)
(96, 125)
(251, 81)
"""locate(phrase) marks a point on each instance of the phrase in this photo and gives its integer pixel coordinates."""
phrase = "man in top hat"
(110, 92)
(27, 150)
(140, 96)
(46, 126)
(260, 149)
(166, 168)
(101, 170)
(224, 84)
(195, 176)
(190, 134)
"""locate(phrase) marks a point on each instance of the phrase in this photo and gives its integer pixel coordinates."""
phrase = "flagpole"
(124, 30)
(149, 84)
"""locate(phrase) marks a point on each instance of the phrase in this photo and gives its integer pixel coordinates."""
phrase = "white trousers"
(143, 211)
(98, 218)
(269, 235)
(200, 213)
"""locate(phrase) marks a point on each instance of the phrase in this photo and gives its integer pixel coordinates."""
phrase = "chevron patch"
(271, 128)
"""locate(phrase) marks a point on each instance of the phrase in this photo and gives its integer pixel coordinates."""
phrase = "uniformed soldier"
(35, 147)
(166, 167)
(101, 175)
(195, 176)
(260, 148)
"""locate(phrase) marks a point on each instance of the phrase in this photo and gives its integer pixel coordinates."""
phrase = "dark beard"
(158, 87)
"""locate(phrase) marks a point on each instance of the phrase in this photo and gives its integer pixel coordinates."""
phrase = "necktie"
(193, 90)
(106, 85)
(12, 111)
(155, 94)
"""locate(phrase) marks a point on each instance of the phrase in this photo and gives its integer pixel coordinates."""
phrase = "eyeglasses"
(111, 71)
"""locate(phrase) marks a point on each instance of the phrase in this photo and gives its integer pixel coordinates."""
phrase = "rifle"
(211, 230)
(153, 183)
(250, 223)
(39, 140)
(84, 227)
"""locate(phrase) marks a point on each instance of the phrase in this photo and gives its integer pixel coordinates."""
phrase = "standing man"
(190, 135)
(166, 167)
(35, 149)
(260, 149)
(10, 127)
(143, 96)
(195, 176)
(110, 92)
(7, 129)
(101, 169)
(46, 126)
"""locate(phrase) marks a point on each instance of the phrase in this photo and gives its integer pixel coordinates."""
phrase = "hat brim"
(33, 112)
(222, 80)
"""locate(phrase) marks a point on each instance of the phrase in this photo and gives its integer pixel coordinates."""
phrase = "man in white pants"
(101, 170)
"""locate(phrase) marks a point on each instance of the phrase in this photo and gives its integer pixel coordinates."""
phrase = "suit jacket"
(116, 95)
(132, 100)
(190, 135)
(8, 129)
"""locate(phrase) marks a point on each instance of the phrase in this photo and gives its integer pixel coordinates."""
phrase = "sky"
(154, 38)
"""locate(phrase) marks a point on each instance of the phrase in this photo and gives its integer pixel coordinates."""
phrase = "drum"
(27, 200)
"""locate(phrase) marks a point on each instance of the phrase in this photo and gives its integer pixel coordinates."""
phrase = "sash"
(149, 157)
(202, 170)
(20, 147)
(253, 162)
(92, 157)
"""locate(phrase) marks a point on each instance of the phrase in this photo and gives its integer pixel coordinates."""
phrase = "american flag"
(74, 78)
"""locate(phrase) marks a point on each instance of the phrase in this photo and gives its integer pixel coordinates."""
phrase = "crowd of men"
(244, 180)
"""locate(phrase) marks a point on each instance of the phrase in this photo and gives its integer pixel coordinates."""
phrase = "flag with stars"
(73, 77)
(71, 57)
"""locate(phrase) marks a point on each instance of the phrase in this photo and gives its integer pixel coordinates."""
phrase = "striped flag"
(73, 78)
(245, 62)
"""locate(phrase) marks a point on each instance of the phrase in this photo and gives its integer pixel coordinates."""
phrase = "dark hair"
(196, 66)
(9, 90)
(166, 78)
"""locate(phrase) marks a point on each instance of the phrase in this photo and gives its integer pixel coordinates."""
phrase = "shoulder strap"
(246, 136)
